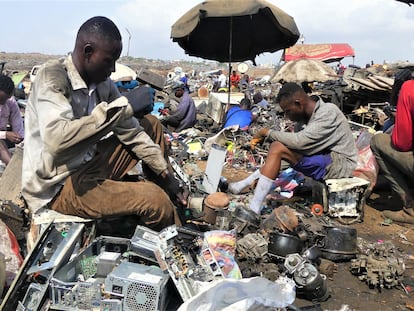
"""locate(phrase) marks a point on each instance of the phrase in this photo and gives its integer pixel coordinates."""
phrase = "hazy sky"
(378, 30)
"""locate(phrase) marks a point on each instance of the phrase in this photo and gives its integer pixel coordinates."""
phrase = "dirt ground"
(345, 288)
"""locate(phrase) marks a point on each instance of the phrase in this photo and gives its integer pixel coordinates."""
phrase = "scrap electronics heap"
(71, 267)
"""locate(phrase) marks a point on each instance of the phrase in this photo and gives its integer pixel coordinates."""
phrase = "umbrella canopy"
(328, 52)
(305, 70)
(123, 73)
(234, 30)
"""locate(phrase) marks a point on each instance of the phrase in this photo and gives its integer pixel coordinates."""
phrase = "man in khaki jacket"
(82, 139)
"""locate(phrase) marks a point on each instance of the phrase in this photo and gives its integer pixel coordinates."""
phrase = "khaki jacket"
(63, 122)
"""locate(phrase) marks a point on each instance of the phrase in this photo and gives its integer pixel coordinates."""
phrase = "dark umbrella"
(234, 30)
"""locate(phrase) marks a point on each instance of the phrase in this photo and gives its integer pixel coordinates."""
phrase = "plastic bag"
(255, 293)
(367, 166)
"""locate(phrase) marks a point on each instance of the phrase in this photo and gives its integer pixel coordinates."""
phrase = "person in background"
(259, 100)
(321, 147)
(234, 79)
(244, 84)
(184, 80)
(394, 155)
(222, 80)
(185, 116)
(400, 77)
(82, 139)
(240, 115)
(9, 116)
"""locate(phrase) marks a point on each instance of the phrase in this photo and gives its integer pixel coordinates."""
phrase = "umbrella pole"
(230, 52)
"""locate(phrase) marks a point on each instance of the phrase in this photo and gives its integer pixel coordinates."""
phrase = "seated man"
(185, 116)
(321, 147)
(9, 116)
(259, 100)
(240, 115)
(82, 139)
(394, 155)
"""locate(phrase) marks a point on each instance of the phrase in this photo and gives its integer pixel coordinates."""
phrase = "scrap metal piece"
(252, 246)
(310, 283)
(379, 267)
(268, 270)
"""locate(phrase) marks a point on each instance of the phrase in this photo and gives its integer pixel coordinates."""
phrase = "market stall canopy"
(123, 73)
(234, 30)
(329, 52)
(305, 70)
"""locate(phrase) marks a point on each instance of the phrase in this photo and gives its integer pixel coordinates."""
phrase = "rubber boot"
(262, 189)
(237, 187)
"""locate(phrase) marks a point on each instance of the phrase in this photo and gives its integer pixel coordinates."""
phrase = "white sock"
(237, 187)
(262, 189)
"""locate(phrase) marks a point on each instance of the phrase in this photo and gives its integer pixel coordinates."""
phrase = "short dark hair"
(101, 27)
(6, 84)
(257, 97)
(400, 77)
(288, 90)
(245, 102)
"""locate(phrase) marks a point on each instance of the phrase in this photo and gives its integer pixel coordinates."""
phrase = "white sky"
(378, 30)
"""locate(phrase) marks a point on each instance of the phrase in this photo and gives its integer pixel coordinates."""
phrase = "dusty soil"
(346, 288)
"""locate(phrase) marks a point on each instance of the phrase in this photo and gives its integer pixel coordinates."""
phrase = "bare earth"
(346, 288)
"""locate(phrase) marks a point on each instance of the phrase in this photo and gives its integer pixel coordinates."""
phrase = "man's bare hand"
(182, 197)
(259, 137)
(13, 137)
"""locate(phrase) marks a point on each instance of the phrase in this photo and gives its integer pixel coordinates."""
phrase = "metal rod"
(230, 55)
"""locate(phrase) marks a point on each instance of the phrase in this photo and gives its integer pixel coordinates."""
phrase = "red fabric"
(235, 79)
(15, 246)
(403, 132)
(328, 52)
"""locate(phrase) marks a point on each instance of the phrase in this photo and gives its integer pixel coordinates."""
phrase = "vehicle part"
(310, 283)
(380, 267)
(282, 244)
(313, 254)
(340, 243)
(252, 246)
(268, 270)
(244, 220)
(286, 217)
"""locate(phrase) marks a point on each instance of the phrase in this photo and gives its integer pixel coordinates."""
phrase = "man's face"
(101, 62)
(293, 108)
(3, 97)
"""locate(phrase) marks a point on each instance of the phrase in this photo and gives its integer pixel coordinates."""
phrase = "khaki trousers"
(397, 166)
(96, 190)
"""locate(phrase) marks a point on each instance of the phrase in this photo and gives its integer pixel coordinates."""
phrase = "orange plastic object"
(317, 209)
